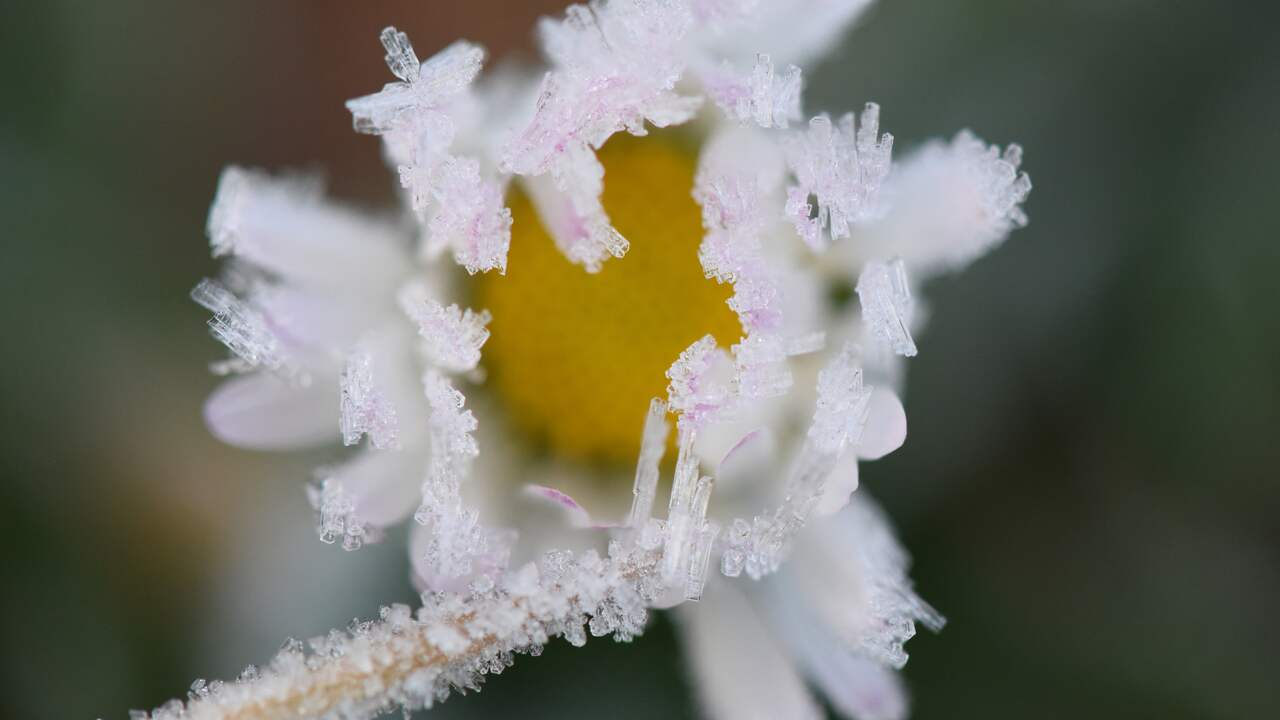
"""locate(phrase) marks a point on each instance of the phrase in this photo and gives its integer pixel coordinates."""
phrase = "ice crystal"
(688, 533)
(453, 335)
(456, 537)
(840, 168)
(614, 66)
(239, 326)
(701, 383)
(759, 546)
(336, 517)
(471, 220)
(885, 297)
(463, 211)
(733, 186)
(652, 444)
(761, 97)
(364, 407)
(894, 606)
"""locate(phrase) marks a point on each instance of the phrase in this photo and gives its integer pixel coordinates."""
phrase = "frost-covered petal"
(949, 203)
(741, 671)
(839, 169)
(265, 412)
(856, 686)
(614, 68)
(284, 226)
(383, 486)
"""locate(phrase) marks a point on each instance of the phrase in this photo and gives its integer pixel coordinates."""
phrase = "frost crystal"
(364, 407)
(652, 445)
(843, 402)
(760, 546)
(453, 336)
(885, 297)
(336, 516)
(895, 607)
(463, 211)
(456, 537)
(1001, 186)
(840, 168)
(762, 98)
(238, 326)
(614, 66)
(701, 383)
(688, 533)
(471, 219)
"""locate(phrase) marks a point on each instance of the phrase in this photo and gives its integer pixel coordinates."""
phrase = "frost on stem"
(412, 662)
(838, 171)
(614, 67)
(885, 296)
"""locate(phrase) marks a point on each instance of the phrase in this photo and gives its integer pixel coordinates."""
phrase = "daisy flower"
(608, 359)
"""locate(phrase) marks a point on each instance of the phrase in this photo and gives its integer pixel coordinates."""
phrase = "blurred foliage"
(1090, 483)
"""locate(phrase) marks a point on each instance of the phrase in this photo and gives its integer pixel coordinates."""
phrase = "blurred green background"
(1091, 484)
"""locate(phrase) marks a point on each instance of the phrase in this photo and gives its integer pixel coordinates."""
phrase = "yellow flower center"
(574, 356)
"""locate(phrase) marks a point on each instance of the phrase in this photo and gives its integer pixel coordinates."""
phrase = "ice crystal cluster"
(344, 328)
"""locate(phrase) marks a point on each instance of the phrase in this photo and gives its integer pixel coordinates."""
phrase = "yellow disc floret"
(575, 357)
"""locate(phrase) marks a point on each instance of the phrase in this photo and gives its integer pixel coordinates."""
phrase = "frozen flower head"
(596, 363)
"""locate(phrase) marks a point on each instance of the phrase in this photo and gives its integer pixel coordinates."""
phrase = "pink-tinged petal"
(840, 484)
(741, 671)
(264, 412)
(746, 456)
(886, 427)
(575, 513)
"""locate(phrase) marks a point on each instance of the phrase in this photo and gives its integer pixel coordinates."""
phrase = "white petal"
(791, 31)
(263, 412)
(854, 685)
(384, 486)
(740, 670)
(840, 484)
(284, 225)
(886, 427)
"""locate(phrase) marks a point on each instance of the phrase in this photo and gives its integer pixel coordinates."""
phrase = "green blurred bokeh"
(1091, 482)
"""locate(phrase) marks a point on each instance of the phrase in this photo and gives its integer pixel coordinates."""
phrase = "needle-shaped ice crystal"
(885, 296)
(653, 443)
(840, 168)
(239, 326)
(842, 406)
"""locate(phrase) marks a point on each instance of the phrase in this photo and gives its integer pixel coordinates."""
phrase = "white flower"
(345, 326)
